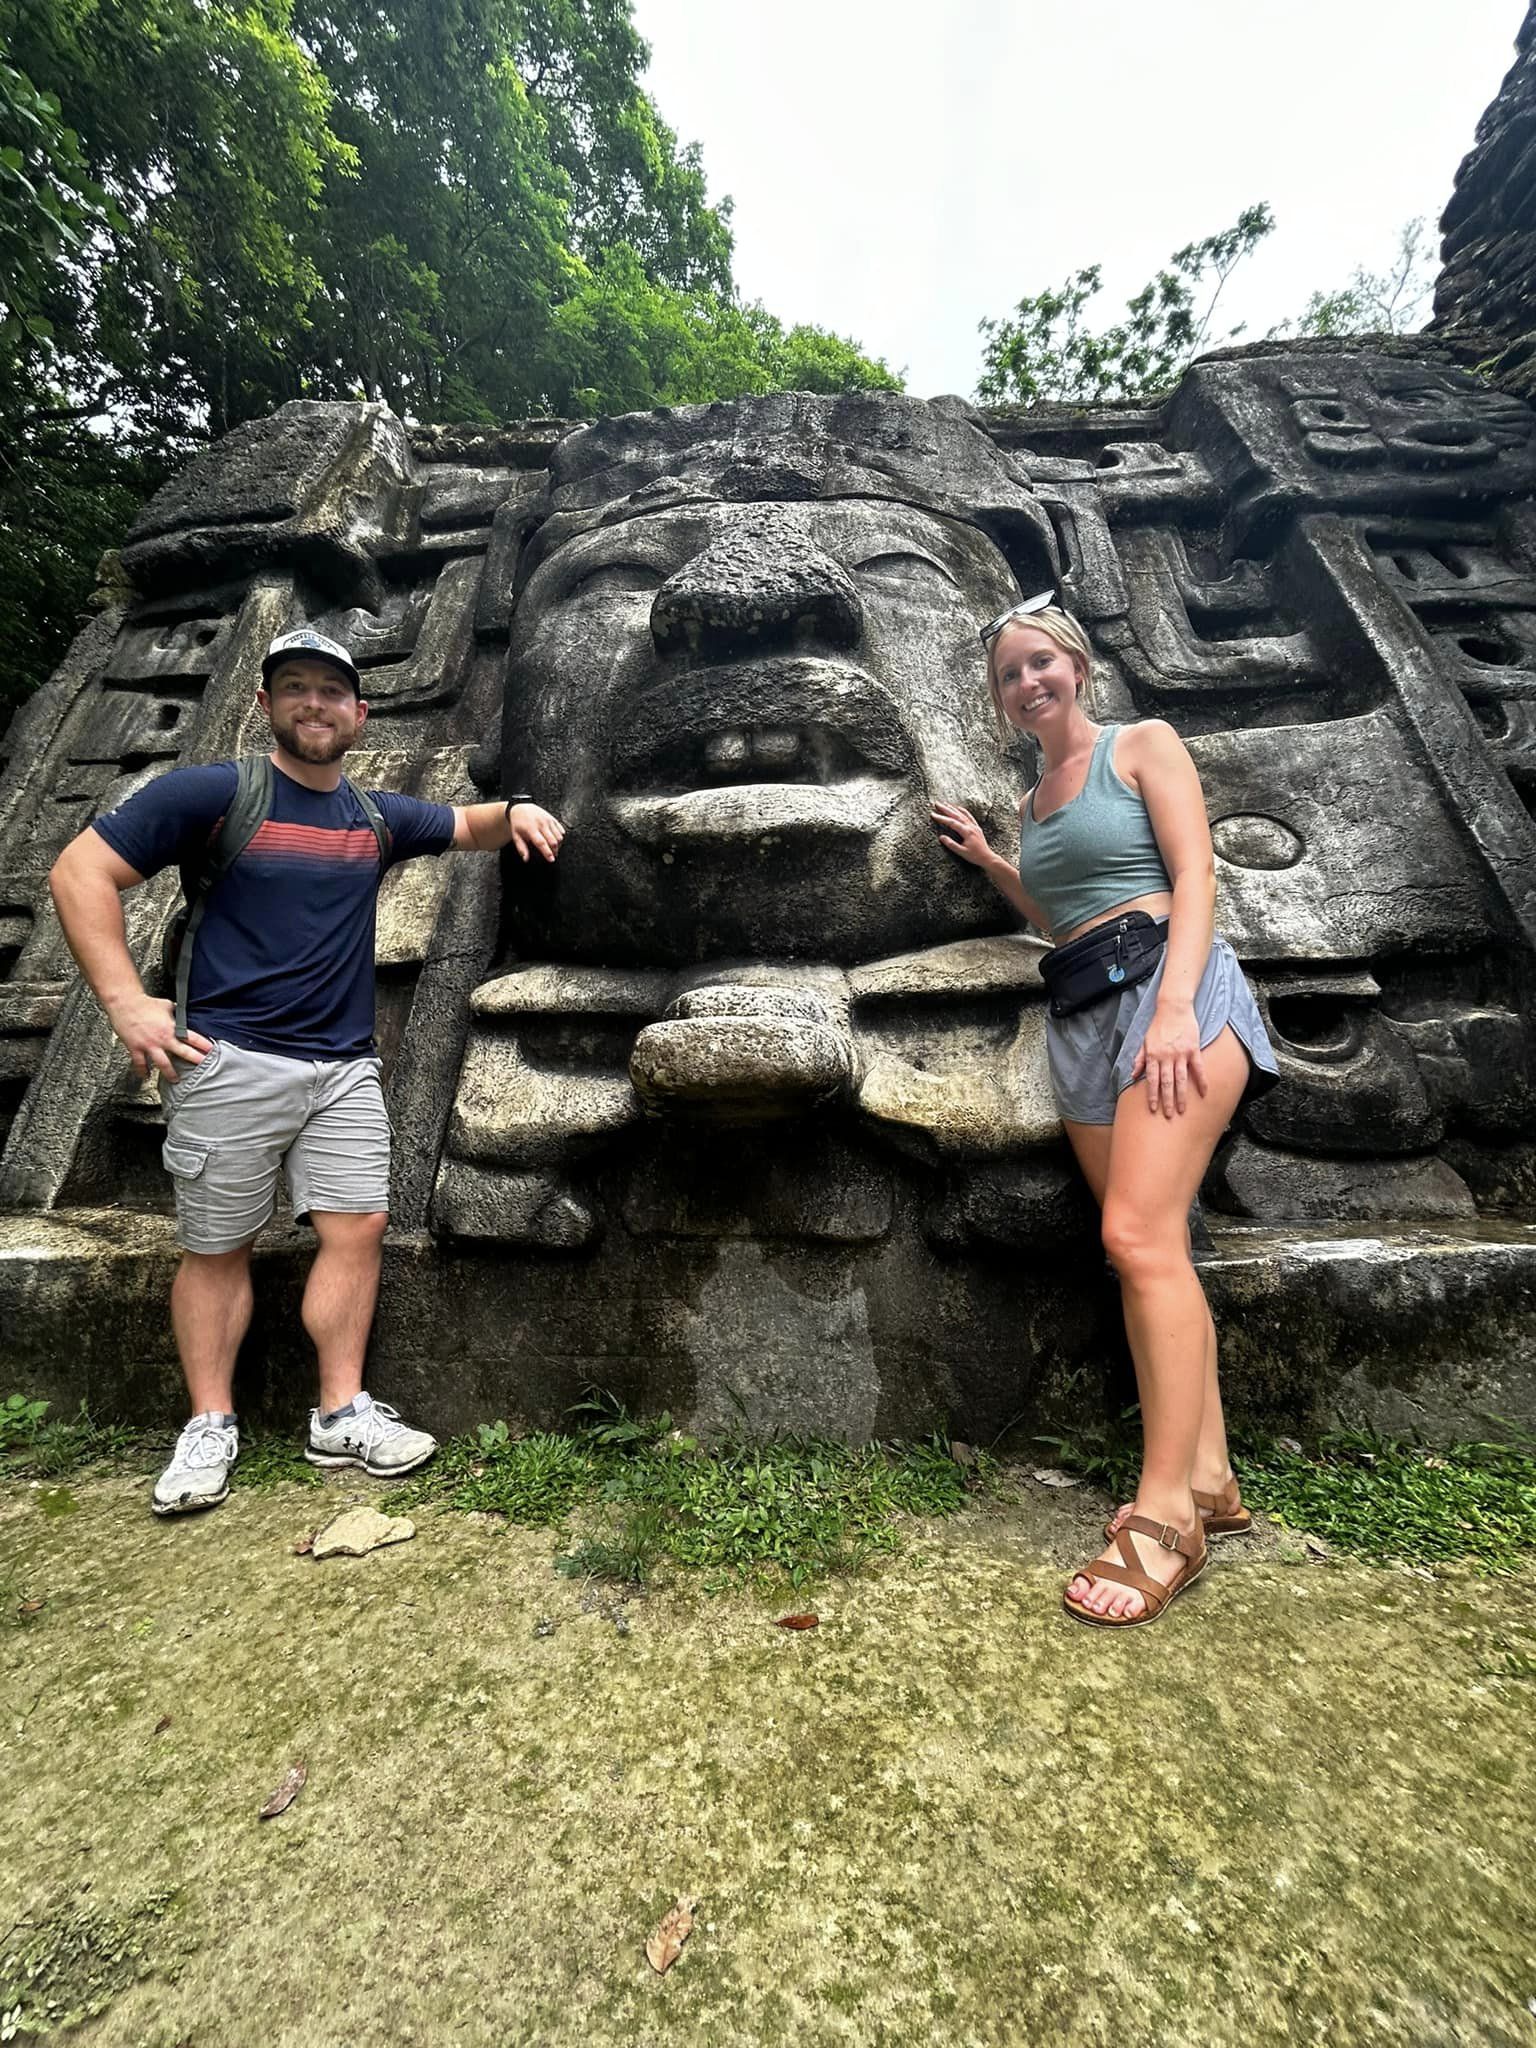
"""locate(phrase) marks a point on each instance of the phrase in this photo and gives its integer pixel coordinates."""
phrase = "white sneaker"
(372, 1436)
(198, 1474)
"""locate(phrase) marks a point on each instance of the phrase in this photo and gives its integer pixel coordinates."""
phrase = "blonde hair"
(1056, 625)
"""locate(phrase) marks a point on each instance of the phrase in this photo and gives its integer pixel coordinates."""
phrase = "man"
(275, 1068)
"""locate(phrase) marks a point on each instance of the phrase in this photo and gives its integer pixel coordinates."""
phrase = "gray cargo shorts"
(1092, 1051)
(238, 1119)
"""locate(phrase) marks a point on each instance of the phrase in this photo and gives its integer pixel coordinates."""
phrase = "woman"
(1114, 844)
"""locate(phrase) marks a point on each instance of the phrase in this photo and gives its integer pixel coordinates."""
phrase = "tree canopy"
(1046, 348)
(470, 209)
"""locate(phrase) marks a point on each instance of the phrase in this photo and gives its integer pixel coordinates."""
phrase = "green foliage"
(1363, 1495)
(206, 126)
(535, 1480)
(1391, 301)
(19, 1420)
(627, 1552)
(1371, 1497)
(269, 1462)
(468, 208)
(35, 1448)
(1046, 349)
(61, 1968)
(794, 1510)
(49, 207)
(609, 1422)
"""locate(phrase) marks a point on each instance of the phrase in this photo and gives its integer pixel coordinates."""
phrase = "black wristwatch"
(522, 797)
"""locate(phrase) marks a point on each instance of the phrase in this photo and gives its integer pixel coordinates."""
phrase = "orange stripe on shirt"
(314, 842)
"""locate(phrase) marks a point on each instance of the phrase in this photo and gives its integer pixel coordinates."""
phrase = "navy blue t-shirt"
(283, 959)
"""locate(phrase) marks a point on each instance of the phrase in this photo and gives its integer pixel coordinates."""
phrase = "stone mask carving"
(742, 709)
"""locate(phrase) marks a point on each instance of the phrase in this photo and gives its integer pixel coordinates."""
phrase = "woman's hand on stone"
(960, 833)
(1169, 1059)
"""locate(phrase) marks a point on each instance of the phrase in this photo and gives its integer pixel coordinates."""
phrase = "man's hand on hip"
(147, 1026)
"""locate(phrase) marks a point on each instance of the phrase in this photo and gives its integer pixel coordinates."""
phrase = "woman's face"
(1037, 681)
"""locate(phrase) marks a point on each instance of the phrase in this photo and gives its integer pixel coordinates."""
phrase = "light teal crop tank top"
(1096, 852)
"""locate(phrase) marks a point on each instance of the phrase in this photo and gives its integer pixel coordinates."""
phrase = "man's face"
(742, 713)
(314, 711)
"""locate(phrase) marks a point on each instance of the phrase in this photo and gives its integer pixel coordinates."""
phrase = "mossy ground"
(1299, 1809)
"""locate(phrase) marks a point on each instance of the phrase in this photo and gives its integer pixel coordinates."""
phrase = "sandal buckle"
(1168, 1536)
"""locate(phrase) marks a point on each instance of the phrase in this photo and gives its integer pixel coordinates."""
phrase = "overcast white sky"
(899, 171)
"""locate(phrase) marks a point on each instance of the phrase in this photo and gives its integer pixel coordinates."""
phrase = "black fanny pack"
(1111, 957)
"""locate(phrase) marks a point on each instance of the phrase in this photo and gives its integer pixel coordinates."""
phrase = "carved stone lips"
(790, 745)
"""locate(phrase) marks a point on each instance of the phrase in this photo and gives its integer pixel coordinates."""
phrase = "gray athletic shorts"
(239, 1118)
(1092, 1051)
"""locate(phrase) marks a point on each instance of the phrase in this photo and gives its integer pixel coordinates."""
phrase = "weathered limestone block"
(742, 1055)
(311, 489)
(1489, 230)
(1276, 1187)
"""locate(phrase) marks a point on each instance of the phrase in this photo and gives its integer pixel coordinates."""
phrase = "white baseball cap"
(307, 644)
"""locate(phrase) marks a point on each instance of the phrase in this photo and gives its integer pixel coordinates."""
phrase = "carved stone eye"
(1247, 839)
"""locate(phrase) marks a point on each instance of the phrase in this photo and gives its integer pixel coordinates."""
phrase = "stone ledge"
(1421, 1331)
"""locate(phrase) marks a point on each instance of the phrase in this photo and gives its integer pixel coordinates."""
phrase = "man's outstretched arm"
(87, 882)
(486, 828)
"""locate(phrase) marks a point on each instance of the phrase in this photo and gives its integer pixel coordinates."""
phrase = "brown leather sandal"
(1155, 1596)
(1221, 1514)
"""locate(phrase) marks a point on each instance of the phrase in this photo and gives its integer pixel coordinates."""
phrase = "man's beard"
(310, 748)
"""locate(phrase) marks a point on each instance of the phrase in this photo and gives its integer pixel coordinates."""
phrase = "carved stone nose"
(761, 583)
(737, 1055)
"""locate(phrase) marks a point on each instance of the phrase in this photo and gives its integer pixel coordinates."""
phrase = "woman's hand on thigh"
(1169, 1059)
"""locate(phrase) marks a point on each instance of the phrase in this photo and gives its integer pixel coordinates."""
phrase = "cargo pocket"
(183, 1158)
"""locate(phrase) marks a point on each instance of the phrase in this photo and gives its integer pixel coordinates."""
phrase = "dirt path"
(1302, 1808)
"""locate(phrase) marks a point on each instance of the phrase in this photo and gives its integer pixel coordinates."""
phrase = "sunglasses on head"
(1039, 603)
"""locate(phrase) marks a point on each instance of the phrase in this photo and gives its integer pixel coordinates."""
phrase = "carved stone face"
(742, 713)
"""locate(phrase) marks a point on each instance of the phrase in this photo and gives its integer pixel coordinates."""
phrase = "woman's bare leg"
(1092, 1145)
(1156, 1164)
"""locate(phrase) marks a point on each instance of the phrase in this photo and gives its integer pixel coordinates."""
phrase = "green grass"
(795, 1510)
(1363, 1495)
(32, 1447)
(1371, 1497)
(805, 1509)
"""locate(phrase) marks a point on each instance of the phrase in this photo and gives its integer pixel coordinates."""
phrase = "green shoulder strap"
(249, 809)
(375, 817)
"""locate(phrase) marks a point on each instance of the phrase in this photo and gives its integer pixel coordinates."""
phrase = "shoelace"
(378, 1422)
(205, 1443)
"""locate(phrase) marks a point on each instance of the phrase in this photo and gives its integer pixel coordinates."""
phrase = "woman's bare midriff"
(1158, 904)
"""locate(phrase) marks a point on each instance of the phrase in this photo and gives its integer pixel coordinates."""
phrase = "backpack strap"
(249, 809)
(375, 818)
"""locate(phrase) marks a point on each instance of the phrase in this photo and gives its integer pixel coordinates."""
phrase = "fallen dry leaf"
(30, 1607)
(963, 1455)
(666, 1944)
(162, 1724)
(286, 1793)
(798, 1621)
(1052, 1475)
(304, 1545)
(1316, 1545)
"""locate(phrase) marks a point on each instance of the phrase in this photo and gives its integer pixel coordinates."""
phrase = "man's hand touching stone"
(534, 830)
